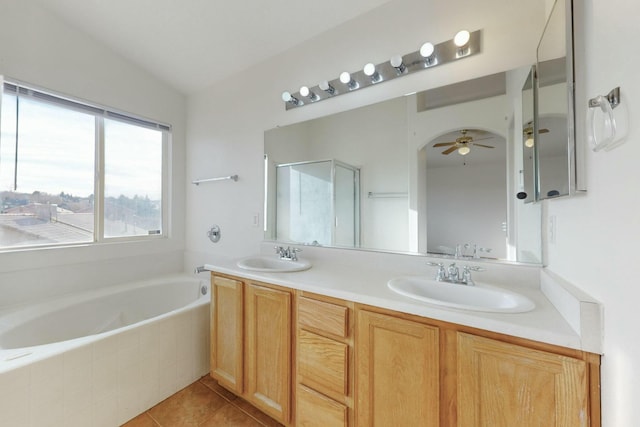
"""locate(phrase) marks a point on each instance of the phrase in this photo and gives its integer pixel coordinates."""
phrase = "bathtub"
(102, 357)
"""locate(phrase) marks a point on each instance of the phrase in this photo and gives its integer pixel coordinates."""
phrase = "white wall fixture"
(604, 134)
(429, 55)
(221, 178)
(214, 233)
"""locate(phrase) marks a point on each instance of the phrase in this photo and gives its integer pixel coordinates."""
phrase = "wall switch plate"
(256, 220)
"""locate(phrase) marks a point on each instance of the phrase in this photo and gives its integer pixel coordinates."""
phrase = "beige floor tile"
(188, 408)
(231, 416)
(142, 420)
(213, 385)
(255, 413)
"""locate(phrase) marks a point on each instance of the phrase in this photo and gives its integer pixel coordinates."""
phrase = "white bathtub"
(102, 357)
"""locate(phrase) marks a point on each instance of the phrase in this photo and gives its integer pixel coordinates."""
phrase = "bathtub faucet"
(199, 269)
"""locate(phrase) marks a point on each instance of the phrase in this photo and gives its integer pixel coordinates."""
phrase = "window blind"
(96, 110)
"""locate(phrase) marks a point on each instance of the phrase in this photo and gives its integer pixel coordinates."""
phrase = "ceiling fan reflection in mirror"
(463, 143)
(528, 133)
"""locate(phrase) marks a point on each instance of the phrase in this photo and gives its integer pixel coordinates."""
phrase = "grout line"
(232, 402)
(148, 414)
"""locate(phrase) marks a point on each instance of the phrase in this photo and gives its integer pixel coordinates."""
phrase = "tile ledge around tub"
(582, 312)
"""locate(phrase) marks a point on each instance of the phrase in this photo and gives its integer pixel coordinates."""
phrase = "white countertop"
(366, 282)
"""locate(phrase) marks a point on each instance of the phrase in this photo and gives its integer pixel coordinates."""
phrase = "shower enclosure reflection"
(317, 202)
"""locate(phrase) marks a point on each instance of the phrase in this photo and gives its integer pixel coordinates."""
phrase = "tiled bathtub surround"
(111, 380)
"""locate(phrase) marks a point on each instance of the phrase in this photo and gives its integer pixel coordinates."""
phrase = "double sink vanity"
(343, 338)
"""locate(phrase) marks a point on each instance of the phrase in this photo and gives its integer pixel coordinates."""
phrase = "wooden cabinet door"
(397, 372)
(505, 385)
(268, 353)
(227, 333)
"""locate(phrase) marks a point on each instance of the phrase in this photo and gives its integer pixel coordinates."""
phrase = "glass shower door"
(317, 202)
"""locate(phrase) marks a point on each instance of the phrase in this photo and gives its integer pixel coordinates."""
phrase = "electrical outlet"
(256, 220)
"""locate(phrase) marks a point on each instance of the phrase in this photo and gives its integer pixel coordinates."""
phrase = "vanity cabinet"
(313, 361)
(227, 332)
(501, 384)
(251, 343)
(415, 371)
(397, 371)
(324, 368)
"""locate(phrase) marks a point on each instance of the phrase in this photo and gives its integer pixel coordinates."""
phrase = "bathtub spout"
(199, 269)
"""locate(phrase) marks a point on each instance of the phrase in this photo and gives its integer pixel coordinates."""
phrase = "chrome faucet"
(199, 269)
(452, 274)
(289, 254)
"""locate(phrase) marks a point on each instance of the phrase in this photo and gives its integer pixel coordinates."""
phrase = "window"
(75, 173)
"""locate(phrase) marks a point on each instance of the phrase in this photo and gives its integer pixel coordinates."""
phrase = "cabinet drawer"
(322, 364)
(317, 410)
(323, 316)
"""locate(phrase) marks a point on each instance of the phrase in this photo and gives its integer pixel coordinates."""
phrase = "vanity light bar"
(398, 66)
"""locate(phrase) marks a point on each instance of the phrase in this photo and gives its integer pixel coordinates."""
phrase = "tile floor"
(203, 404)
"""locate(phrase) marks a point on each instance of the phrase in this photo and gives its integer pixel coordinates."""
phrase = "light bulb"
(396, 62)
(287, 97)
(304, 91)
(345, 78)
(464, 150)
(529, 141)
(325, 86)
(369, 69)
(427, 49)
(461, 38)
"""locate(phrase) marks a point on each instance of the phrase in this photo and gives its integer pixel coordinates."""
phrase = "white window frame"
(100, 113)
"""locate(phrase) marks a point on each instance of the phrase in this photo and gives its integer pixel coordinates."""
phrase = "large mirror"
(434, 172)
(424, 173)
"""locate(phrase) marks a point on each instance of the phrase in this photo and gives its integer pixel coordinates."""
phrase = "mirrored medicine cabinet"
(549, 144)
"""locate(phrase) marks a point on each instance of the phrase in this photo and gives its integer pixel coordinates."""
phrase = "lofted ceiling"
(192, 44)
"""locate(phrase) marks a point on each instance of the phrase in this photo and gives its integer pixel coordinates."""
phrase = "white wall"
(597, 234)
(487, 114)
(466, 204)
(227, 121)
(374, 139)
(37, 48)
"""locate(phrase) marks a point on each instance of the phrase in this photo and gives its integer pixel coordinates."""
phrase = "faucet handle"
(281, 251)
(441, 274)
(293, 252)
(466, 274)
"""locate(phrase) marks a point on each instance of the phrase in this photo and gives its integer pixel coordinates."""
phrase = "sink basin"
(476, 298)
(272, 264)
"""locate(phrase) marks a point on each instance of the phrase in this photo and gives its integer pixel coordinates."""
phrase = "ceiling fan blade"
(450, 150)
(482, 145)
(543, 130)
(480, 139)
(443, 144)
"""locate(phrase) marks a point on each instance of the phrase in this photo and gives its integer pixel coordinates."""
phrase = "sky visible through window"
(56, 152)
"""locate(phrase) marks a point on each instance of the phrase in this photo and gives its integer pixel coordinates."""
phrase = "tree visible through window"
(69, 174)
